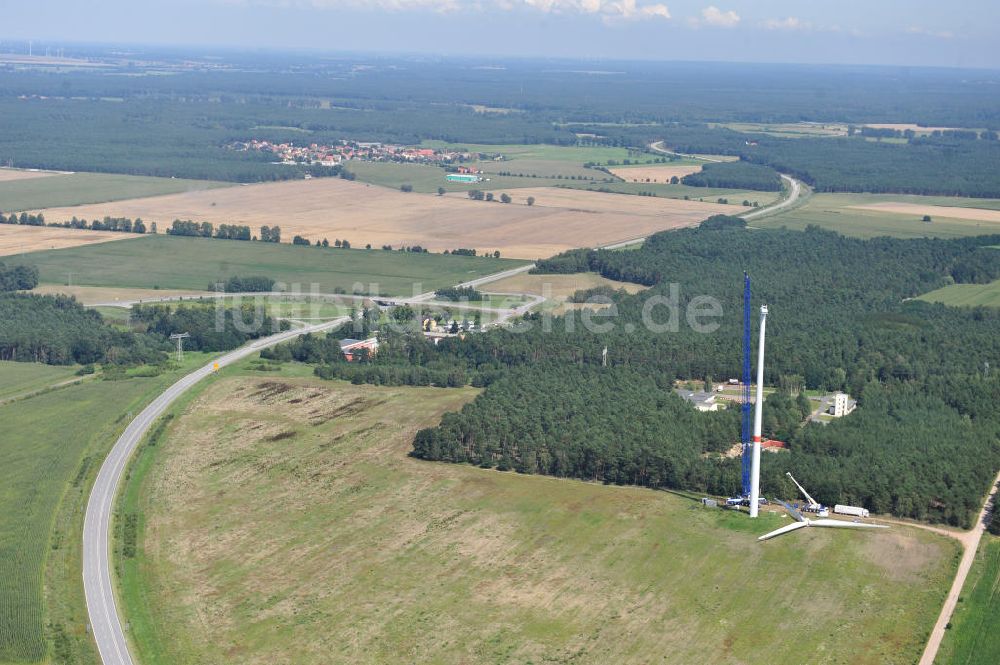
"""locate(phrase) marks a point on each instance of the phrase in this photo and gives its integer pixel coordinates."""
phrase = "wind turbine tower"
(758, 417)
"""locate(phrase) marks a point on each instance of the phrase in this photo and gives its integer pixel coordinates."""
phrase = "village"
(316, 154)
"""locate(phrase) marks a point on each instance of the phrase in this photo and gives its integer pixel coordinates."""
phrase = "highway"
(794, 186)
(105, 622)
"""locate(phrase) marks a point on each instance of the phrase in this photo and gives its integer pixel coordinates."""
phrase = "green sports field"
(973, 638)
(161, 261)
(78, 188)
(280, 514)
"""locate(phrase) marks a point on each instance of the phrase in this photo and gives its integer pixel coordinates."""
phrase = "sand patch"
(9, 175)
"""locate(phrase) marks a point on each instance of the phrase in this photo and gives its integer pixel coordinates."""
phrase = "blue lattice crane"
(746, 408)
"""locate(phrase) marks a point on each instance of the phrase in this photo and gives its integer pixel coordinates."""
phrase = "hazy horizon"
(889, 33)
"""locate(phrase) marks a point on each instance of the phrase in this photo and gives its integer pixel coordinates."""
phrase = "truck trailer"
(850, 510)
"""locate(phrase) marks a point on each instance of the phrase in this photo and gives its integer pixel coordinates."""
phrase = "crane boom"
(812, 501)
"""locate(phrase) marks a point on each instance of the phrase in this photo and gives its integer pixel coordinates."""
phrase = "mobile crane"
(812, 506)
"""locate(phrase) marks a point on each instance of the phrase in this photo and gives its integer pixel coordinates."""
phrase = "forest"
(923, 442)
(58, 330)
(181, 125)
(735, 175)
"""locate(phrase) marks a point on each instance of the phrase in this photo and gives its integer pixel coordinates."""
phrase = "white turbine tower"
(758, 417)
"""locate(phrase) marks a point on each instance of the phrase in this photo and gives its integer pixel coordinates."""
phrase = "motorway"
(795, 188)
(98, 585)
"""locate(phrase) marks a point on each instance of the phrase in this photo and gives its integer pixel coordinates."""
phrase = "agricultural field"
(557, 289)
(790, 130)
(16, 239)
(48, 451)
(11, 175)
(157, 262)
(973, 638)
(427, 179)
(552, 153)
(655, 173)
(24, 378)
(69, 189)
(98, 295)
(333, 208)
(283, 515)
(966, 295)
(872, 215)
(708, 194)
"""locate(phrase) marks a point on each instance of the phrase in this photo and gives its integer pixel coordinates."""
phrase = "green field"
(833, 211)
(79, 188)
(50, 449)
(160, 261)
(24, 378)
(966, 295)
(546, 152)
(973, 638)
(283, 516)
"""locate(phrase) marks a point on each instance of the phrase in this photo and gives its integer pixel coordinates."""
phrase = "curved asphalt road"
(97, 582)
(794, 186)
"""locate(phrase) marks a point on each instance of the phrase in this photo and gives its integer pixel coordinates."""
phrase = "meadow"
(69, 189)
(841, 213)
(667, 191)
(167, 262)
(24, 378)
(427, 179)
(279, 514)
(50, 449)
(966, 295)
(973, 638)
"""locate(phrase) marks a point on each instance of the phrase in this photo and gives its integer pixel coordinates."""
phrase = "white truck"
(850, 510)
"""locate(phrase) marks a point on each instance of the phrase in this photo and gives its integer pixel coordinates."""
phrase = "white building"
(701, 400)
(842, 405)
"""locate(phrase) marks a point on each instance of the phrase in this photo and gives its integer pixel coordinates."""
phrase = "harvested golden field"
(7, 175)
(332, 208)
(654, 173)
(916, 209)
(15, 239)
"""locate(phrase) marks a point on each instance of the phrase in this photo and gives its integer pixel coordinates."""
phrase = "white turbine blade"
(785, 529)
(840, 524)
(794, 513)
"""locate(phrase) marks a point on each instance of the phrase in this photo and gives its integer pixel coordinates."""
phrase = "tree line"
(18, 278)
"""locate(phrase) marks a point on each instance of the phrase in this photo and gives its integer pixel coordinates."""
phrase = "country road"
(970, 541)
(794, 186)
(105, 621)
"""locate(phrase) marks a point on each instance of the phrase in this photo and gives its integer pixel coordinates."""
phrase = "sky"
(962, 33)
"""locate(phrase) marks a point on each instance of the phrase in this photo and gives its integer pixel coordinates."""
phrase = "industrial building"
(468, 178)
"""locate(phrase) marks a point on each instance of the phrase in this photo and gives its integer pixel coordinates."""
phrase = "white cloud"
(942, 34)
(789, 23)
(714, 16)
(608, 9)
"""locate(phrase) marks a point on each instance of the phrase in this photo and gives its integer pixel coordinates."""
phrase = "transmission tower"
(180, 337)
